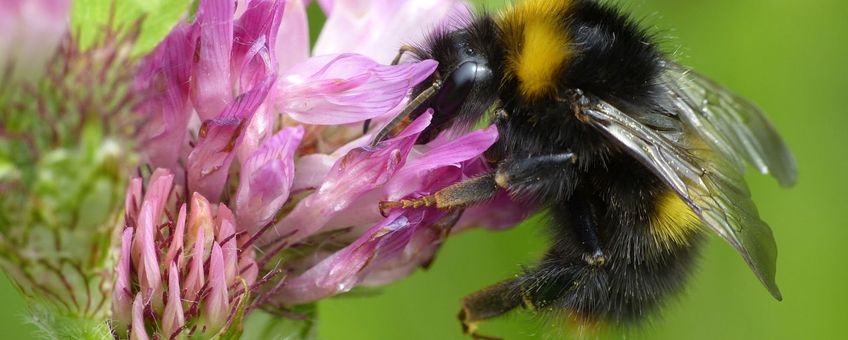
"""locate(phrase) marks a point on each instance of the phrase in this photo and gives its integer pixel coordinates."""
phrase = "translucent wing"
(710, 184)
(729, 124)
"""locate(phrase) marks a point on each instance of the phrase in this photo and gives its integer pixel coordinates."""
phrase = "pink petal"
(310, 171)
(346, 88)
(502, 212)
(343, 270)
(427, 170)
(132, 202)
(418, 252)
(262, 125)
(154, 202)
(326, 6)
(121, 296)
(266, 178)
(149, 276)
(177, 240)
(378, 28)
(201, 233)
(362, 214)
(211, 89)
(209, 162)
(217, 304)
(415, 176)
(159, 191)
(172, 317)
(227, 229)
(164, 76)
(292, 45)
(195, 279)
(138, 330)
(255, 32)
(358, 172)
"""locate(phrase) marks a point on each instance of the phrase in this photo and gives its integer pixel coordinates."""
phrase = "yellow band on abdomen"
(673, 221)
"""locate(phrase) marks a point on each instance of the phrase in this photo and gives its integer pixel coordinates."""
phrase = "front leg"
(516, 176)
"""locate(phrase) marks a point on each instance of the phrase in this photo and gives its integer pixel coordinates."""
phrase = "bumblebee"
(633, 155)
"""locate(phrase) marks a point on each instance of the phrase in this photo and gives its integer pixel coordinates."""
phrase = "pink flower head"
(178, 273)
(257, 125)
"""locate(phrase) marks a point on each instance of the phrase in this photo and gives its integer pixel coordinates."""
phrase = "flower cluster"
(188, 273)
(278, 139)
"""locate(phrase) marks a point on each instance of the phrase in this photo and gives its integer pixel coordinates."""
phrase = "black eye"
(457, 86)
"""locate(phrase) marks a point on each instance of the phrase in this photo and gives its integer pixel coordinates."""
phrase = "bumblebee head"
(462, 94)
(464, 84)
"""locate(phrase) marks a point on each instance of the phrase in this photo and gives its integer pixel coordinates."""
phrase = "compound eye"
(457, 86)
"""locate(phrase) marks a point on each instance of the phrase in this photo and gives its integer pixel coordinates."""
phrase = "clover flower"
(278, 138)
(256, 187)
(183, 268)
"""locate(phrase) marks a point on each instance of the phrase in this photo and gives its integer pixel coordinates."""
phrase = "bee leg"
(586, 229)
(486, 304)
(519, 173)
(535, 174)
(407, 49)
(475, 190)
(536, 290)
(511, 175)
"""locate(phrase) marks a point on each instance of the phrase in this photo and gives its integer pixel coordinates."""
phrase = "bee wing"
(729, 124)
(710, 184)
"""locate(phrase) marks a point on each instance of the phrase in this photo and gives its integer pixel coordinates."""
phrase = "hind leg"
(573, 273)
(576, 288)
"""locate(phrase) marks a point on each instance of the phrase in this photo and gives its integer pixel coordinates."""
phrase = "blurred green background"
(789, 57)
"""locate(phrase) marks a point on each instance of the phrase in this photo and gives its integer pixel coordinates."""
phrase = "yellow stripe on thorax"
(537, 44)
(673, 221)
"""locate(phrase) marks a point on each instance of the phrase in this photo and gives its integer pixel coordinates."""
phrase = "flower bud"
(197, 255)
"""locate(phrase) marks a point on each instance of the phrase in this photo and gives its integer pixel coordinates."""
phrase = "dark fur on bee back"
(605, 262)
(616, 60)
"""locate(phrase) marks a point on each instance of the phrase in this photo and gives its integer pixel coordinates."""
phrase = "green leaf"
(90, 17)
